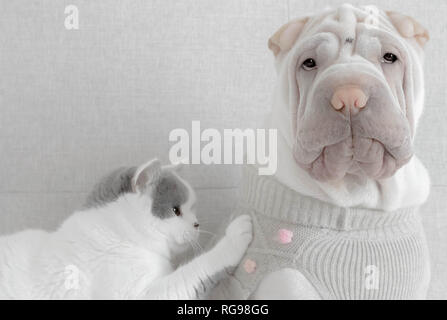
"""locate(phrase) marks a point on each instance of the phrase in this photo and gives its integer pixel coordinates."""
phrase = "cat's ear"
(409, 28)
(146, 174)
(177, 167)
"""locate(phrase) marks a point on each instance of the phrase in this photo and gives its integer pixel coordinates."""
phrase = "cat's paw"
(240, 230)
(238, 236)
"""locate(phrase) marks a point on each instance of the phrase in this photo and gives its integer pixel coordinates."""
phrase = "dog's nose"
(350, 97)
(196, 225)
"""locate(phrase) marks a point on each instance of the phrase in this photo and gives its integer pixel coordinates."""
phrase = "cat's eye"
(309, 64)
(177, 211)
(389, 58)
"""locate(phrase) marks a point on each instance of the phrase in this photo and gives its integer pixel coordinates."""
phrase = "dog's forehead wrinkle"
(344, 22)
(335, 33)
(362, 45)
(369, 47)
(323, 50)
(347, 18)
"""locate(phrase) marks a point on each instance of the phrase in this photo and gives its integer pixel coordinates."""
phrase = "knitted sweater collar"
(268, 196)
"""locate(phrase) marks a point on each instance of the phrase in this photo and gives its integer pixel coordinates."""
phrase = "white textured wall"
(75, 104)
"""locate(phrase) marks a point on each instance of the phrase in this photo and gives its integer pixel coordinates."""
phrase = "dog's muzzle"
(352, 122)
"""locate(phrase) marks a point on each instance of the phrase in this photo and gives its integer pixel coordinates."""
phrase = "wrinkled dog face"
(352, 91)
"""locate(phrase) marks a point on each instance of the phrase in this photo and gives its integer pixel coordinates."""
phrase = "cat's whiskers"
(209, 219)
(198, 245)
(196, 248)
(207, 232)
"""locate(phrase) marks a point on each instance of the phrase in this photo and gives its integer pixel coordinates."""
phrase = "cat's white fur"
(118, 251)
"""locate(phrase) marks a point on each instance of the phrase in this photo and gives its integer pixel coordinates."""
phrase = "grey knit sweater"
(337, 249)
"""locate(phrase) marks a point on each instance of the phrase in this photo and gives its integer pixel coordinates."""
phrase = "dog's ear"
(409, 28)
(285, 37)
(146, 174)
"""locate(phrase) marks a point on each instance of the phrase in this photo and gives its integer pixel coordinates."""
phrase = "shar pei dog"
(339, 219)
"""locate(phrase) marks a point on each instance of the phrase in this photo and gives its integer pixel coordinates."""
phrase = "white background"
(76, 104)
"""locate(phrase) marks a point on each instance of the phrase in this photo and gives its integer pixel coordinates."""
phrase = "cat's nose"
(196, 225)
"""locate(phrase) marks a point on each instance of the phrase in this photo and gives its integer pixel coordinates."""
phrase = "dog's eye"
(177, 211)
(309, 64)
(389, 58)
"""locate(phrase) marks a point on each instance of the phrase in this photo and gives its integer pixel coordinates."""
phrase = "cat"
(121, 247)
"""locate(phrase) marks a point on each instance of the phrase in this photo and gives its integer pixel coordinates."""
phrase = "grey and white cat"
(122, 247)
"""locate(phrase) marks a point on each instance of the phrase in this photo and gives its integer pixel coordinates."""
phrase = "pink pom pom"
(250, 266)
(285, 236)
